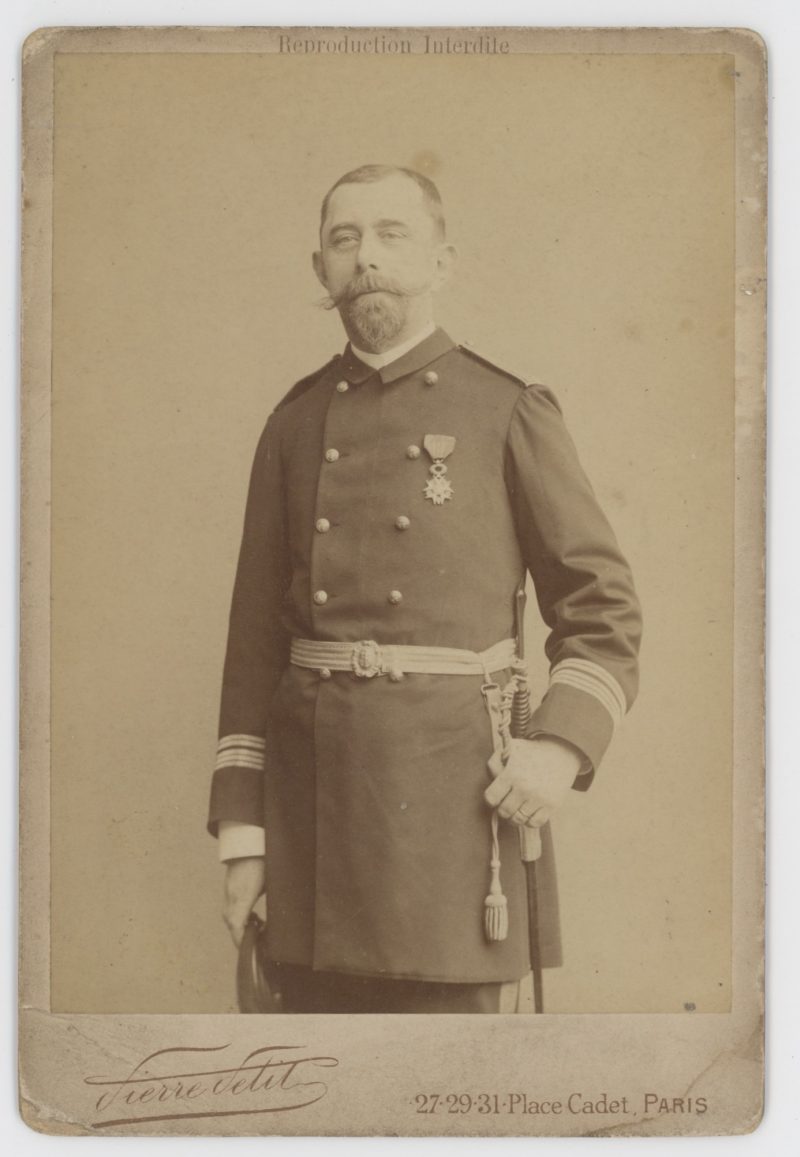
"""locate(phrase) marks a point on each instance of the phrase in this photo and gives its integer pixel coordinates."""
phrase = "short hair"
(366, 174)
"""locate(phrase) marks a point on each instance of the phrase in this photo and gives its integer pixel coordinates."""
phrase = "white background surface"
(779, 24)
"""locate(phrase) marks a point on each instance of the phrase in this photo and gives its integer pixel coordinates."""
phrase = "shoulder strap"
(468, 349)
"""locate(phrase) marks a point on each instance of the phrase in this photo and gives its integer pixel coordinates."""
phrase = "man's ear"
(319, 268)
(446, 258)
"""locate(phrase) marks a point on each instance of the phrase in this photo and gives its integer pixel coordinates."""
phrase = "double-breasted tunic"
(371, 789)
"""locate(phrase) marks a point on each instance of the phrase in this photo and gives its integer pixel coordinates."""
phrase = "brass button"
(331, 455)
(322, 525)
(401, 522)
(413, 452)
(431, 378)
(395, 597)
(320, 598)
(324, 673)
(342, 387)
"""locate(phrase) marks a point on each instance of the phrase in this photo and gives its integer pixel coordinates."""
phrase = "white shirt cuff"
(237, 840)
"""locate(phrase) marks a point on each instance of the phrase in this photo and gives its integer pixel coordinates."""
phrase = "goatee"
(374, 308)
(374, 319)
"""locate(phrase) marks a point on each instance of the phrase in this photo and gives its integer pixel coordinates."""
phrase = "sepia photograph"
(392, 454)
(364, 805)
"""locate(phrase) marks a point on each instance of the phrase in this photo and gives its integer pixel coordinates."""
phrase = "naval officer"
(398, 497)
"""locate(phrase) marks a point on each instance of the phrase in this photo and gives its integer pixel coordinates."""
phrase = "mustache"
(370, 283)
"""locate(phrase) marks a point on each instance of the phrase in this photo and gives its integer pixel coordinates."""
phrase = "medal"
(438, 447)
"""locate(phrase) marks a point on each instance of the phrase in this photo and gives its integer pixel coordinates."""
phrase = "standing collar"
(424, 352)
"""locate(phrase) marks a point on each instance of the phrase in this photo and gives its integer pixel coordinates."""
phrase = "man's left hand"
(534, 781)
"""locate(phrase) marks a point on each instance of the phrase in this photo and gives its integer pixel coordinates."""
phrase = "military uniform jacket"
(371, 790)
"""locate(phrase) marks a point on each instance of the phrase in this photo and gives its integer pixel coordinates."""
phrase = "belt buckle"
(367, 659)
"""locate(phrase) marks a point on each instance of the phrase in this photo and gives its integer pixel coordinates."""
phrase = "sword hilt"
(520, 706)
(530, 845)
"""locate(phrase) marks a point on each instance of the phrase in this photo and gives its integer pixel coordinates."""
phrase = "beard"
(374, 308)
(375, 319)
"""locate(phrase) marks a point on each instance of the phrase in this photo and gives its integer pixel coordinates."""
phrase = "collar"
(429, 349)
(378, 361)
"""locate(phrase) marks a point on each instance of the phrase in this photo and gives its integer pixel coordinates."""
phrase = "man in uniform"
(365, 777)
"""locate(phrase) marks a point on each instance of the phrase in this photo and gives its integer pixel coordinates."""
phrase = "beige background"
(592, 200)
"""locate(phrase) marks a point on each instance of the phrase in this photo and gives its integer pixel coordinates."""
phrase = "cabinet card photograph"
(392, 514)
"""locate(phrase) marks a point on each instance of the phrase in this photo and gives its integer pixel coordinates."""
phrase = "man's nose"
(368, 253)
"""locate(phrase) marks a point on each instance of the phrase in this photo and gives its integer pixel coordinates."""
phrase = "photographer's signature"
(178, 1083)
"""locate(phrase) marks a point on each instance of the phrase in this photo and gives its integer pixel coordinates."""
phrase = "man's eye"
(343, 239)
(392, 235)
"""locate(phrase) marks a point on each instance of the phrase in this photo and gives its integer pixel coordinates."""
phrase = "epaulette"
(299, 388)
(467, 348)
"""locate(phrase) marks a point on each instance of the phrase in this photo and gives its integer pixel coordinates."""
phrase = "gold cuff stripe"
(241, 741)
(240, 751)
(596, 671)
(593, 680)
(581, 683)
(236, 759)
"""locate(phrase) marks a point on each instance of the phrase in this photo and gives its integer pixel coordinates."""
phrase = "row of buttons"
(430, 379)
(393, 597)
(402, 522)
(333, 454)
(322, 525)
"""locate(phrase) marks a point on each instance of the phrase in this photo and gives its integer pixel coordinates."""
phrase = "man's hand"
(244, 883)
(534, 782)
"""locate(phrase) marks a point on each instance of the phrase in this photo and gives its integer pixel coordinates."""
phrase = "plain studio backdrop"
(592, 201)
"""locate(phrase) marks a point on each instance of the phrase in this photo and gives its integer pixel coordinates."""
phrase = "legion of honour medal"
(439, 447)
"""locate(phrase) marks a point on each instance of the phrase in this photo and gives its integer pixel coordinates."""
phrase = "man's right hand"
(244, 883)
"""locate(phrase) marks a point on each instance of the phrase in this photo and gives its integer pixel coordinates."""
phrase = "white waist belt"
(368, 658)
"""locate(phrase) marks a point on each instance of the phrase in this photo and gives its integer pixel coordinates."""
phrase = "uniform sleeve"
(258, 646)
(583, 584)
